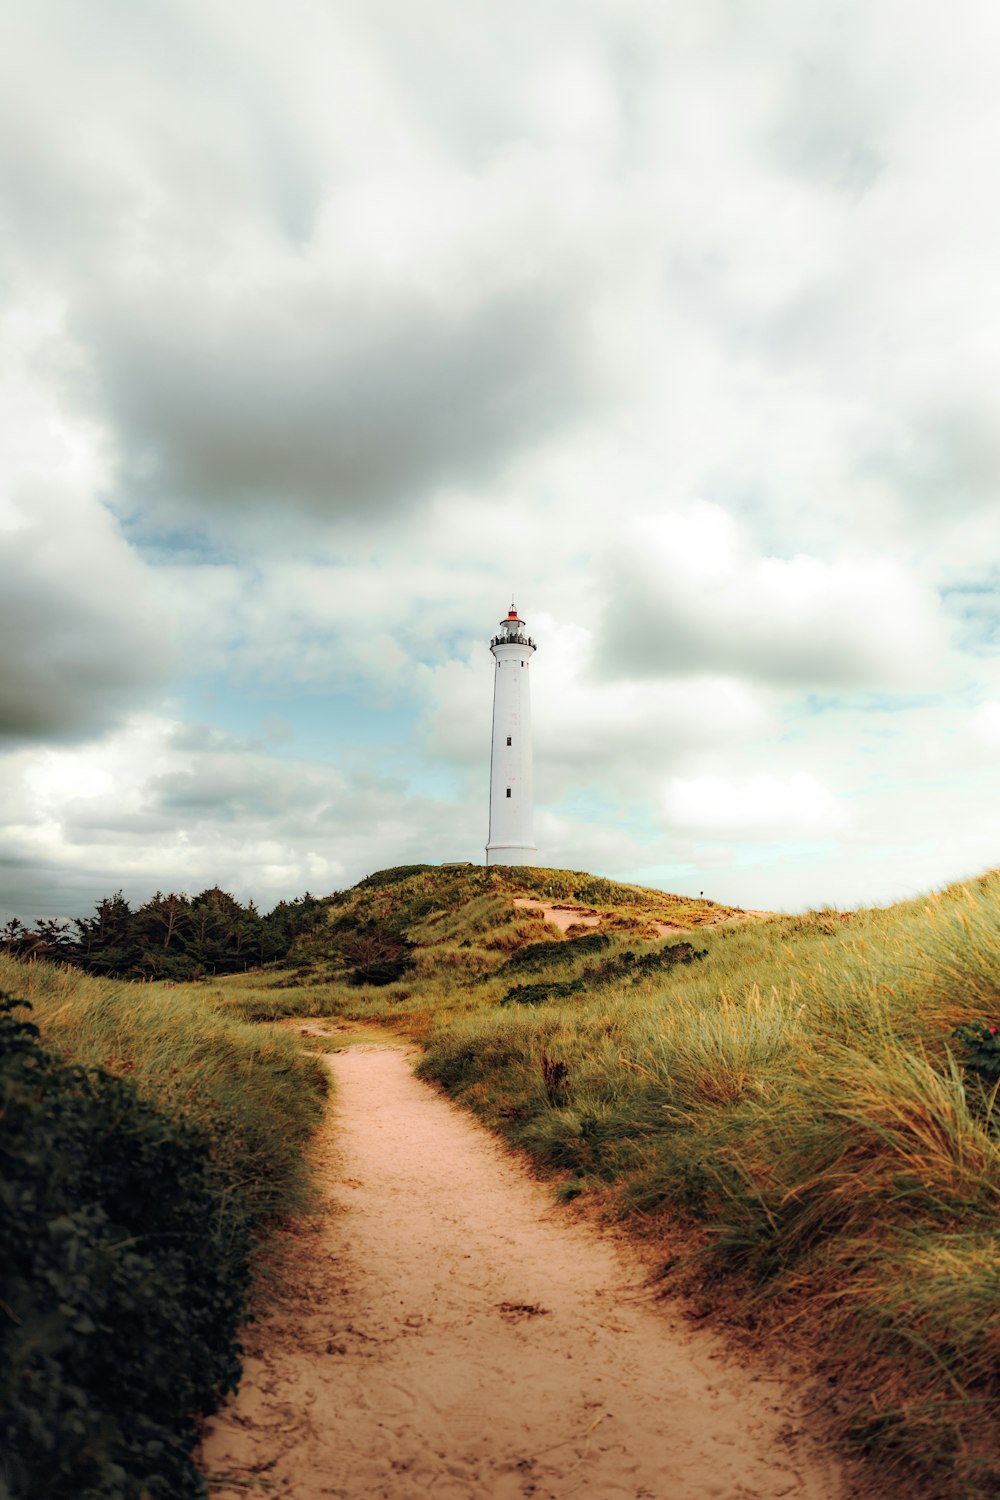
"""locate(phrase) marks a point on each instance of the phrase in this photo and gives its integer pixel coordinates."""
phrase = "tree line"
(172, 936)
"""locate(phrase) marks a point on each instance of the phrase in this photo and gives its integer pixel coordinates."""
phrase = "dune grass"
(783, 1106)
(255, 1091)
(794, 1103)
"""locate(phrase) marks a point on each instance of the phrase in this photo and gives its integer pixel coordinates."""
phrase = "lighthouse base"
(511, 854)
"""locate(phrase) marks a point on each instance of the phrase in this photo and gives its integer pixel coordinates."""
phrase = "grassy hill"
(449, 925)
(787, 1106)
(797, 1113)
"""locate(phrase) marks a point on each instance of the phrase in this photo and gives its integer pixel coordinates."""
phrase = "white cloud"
(778, 807)
(986, 726)
(85, 629)
(689, 592)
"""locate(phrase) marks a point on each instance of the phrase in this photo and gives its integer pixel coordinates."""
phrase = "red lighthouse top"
(512, 631)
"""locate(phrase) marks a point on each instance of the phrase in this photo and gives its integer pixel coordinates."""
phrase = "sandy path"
(562, 915)
(449, 1332)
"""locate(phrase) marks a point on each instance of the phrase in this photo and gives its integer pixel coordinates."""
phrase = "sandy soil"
(448, 1331)
(560, 914)
(564, 916)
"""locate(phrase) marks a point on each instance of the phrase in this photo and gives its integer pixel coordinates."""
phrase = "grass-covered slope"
(785, 1102)
(146, 1143)
(438, 922)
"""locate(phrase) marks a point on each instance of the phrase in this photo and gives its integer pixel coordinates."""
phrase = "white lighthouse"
(511, 841)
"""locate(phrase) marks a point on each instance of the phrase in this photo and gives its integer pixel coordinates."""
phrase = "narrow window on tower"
(508, 791)
(508, 739)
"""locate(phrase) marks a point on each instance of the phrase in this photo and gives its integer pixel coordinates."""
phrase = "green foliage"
(125, 1276)
(542, 955)
(625, 965)
(633, 966)
(375, 957)
(174, 937)
(982, 1051)
(538, 994)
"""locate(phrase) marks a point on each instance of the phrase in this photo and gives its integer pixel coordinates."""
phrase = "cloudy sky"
(327, 327)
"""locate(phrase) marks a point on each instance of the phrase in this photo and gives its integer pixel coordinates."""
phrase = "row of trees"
(170, 937)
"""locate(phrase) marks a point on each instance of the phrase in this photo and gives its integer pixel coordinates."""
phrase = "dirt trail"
(448, 1332)
(564, 915)
(560, 913)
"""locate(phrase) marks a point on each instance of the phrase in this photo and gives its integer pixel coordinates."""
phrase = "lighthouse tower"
(511, 841)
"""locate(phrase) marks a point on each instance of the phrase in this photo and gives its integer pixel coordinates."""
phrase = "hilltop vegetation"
(461, 919)
(799, 1110)
(797, 1113)
(169, 937)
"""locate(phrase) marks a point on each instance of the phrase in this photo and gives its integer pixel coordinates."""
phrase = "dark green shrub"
(172, 937)
(559, 951)
(124, 1265)
(387, 971)
(626, 965)
(377, 956)
(982, 1051)
(981, 1060)
(537, 994)
(629, 965)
